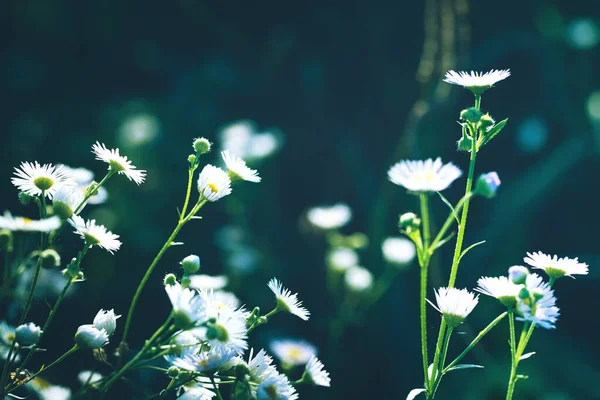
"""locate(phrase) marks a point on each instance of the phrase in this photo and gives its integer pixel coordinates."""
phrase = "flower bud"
(191, 158)
(172, 372)
(170, 279)
(201, 145)
(72, 269)
(217, 332)
(518, 274)
(50, 258)
(538, 294)
(409, 222)
(24, 198)
(6, 240)
(487, 185)
(88, 336)
(471, 114)
(106, 320)
(465, 143)
(524, 293)
(486, 122)
(190, 264)
(27, 334)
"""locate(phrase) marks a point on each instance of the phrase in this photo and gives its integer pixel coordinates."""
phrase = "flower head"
(487, 184)
(329, 217)
(27, 334)
(293, 352)
(358, 279)
(106, 320)
(88, 336)
(237, 169)
(455, 304)
(286, 301)
(342, 258)
(47, 391)
(423, 176)
(66, 200)
(398, 250)
(501, 288)
(7, 221)
(213, 183)
(118, 163)
(476, 82)
(539, 304)
(556, 267)
(187, 306)
(260, 366)
(95, 235)
(315, 374)
(35, 179)
(205, 361)
(215, 282)
(276, 387)
(89, 377)
(228, 332)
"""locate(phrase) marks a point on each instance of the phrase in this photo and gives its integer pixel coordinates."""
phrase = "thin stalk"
(217, 391)
(451, 218)
(88, 195)
(436, 376)
(424, 261)
(523, 340)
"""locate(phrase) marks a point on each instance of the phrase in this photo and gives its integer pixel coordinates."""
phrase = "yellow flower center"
(294, 353)
(426, 176)
(213, 187)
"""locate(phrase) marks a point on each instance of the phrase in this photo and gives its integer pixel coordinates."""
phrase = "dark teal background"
(340, 80)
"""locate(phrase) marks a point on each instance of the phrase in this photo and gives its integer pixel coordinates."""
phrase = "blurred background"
(332, 94)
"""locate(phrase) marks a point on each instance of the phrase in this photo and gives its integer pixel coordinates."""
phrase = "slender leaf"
(464, 366)
(443, 241)
(465, 251)
(445, 200)
(494, 131)
(526, 356)
(414, 393)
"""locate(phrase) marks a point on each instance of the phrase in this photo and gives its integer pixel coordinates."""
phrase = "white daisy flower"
(455, 304)
(293, 352)
(66, 200)
(424, 176)
(500, 288)
(315, 373)
(398, 250)
(540, 307)
(242, 140)
(276, 387)
(187, 306)
(228, 331)
(33, 179)
(342, 258)
(260, 366)
(358, 279)
(198, 391)
(556, 267)
(27, 334)
(216, 300)
(95, 235)
(286, 301)
(7, 336)
(106, 320)
(237, 169)
(89, 377)
(81, 176)
(329, 217)
(88, 336)
(47, 391)
(477, 82)
(213, 183)
(7, 221)
(206, 361)
(201, 281)
(118, 163)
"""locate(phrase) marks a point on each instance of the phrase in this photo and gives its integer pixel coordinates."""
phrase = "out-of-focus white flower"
(276, 387)
(556, 267)
(216, 300)
(286, 301)
(27, 334)
(487, 184)
(477, 82)
(47, 391)
(293, 352)
(228, 332)
(118, 163)
(540, 306)
(7, 336)
(198, 390)
(501, 288)
(455, 304)
(242, 140)
(329, 217)
(139, 129)
(315, 373)
(358, 279)
(342, 258)
(206, 361)
(83, 179)
(424, 176)
(187, 306)
(95, 235)
(398, 250)
(237, 168)
(66, 200)
(7, 221)
(213, 183)
(89, 377)
(35, 179)
(106, 320)
(88, 336)
(216, 282)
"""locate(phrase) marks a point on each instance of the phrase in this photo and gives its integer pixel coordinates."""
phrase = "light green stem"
(523, 340)
(436, 376)
(424, 261)
(89, 195)
(451, 218)
(217, 391)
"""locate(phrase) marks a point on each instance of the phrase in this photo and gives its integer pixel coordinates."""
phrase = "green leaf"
(464, 366)
(414, 393)
(445, 200)
(465, 251)
(494, 131)
(526, 356)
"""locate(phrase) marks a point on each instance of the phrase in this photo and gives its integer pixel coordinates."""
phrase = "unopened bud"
(409, 222)
(518, 274)
(201, 145)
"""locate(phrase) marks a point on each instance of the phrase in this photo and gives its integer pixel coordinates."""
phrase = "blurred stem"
(381, 285)
(217, 391)
(523, 340)
(182, 221)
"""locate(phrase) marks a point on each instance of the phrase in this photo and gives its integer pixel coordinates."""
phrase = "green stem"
(423, 312)
(262, 320)
(511, 325)
(425, 217)
(217, 391)
(436, 376)
(188, 191)
(88, 195)
(523, 340)
(451, 218)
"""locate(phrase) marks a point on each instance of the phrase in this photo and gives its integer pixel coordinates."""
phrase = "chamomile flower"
(118, 163)
(95, 235)
(424, 176)
(476, 82)
(342, 258)
(293, 352)
(556, 267)
(47, 391)
(455, 304)
(260, 366)
(200, 281)
(213, 183)
(329, 217)
(276, 387)
(539, 306)
(7, 221)
(206, 361)
(106, 320)
(216, 300)
(500, 288)
(237, 169)
(398, 250)
(315, 373)
(228, 332)
(35, 179)
(286, 301)
(88, 336)
(66, 200)
(188, 307)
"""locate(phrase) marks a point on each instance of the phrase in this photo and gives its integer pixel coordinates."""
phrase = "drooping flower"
(88, 336)
(118, 163)
(539, 306)
(237, 168)
(556, 267)
(7, 221)
(35, 179)
(329, 217)
(500, 288)
(315, 373)
(95, 235)
(213, 183)
(455, 304)
(293, 352)
(286, 301)
(476, 82)
(27, 334)
(424, 176)
(398, 250)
